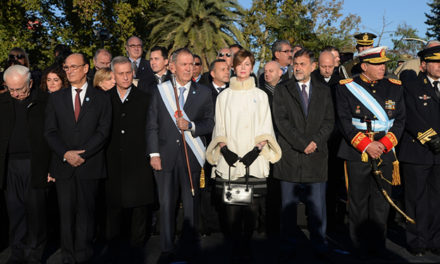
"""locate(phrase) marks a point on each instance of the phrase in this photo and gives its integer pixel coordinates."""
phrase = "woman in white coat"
(243, 140)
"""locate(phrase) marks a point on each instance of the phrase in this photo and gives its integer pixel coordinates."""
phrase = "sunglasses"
(17, 57)
(224, 54)
(197, 64)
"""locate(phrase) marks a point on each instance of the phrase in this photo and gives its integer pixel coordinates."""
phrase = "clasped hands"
(375, 149)
(231, 158)
(73, 157)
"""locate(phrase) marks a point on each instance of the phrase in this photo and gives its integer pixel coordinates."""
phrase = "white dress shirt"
(82, 94)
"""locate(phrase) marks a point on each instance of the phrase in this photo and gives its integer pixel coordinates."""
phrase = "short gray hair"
(177, 52)
(120, 60)
(277, 46)
(99, 51)
(18, 70)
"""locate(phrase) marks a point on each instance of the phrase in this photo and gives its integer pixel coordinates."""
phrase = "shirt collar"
(83, 88)
(125, 96)
(431, 80)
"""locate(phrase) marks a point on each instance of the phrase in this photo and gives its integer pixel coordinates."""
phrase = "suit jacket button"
(123, 114)
(122, 131)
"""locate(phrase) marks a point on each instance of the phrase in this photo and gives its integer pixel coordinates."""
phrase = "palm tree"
(204, 26)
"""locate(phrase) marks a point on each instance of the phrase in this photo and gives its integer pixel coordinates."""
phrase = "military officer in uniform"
(419, 154)
(352, 67)
(371, 112)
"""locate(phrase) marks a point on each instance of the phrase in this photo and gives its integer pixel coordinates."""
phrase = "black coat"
(130, 177)
(40, 152)
(89, 133)
(422, 115)
(296, 130)
(149, 84)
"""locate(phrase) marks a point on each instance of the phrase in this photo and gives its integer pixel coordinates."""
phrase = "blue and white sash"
(383, 123)
(166, 91)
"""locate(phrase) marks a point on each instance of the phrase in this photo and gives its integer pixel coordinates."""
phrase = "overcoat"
(40, 152)
(130, 177)
(296, 129)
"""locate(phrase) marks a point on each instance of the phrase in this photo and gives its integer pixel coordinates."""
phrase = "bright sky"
(395, 12)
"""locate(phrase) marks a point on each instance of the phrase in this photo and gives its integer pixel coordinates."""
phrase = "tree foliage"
(311, 23)
(204, 26)
(433, 20)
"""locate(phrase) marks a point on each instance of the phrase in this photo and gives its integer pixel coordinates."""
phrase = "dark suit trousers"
(138, 223)
(367, 208)
(76, 200)
(313, 196)
(169, 184)
(27, 212)
(422, 203)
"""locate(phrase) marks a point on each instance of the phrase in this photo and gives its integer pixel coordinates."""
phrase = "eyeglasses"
(225, 54)
(18, 90)
(286, 51)
(72, 67)
(16, 56)
(135, 46)
(197, 64)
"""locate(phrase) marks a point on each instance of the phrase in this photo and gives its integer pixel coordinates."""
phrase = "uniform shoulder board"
(395, 81)
(345, 81)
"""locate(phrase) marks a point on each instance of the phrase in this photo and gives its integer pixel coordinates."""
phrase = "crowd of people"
(137, 141)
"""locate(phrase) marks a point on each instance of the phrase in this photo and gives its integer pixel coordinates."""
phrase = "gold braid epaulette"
(395, 81)
(345, 81)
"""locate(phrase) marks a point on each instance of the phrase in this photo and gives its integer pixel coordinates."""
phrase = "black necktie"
(437, 92)
(220, 89)
(305, 97)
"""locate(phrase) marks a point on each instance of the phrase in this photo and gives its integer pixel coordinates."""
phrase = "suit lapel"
(430, 89)
(192, 94)
(88, 98)
(68, 102)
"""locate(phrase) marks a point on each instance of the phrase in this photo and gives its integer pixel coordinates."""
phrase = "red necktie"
(77, 104)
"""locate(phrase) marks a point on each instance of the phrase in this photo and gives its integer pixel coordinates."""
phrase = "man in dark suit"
(371, 118)
(219, 72)
(77, 126)
(167, 151)
(304, 117)
(327, 75)
(420, 154)
(130, 179)
(282, 53)
(272, 76)
(102, 59)
(141, 66)
(24, 165)
(159, 64)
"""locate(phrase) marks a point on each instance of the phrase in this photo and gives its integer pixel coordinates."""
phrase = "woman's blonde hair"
(101, 75)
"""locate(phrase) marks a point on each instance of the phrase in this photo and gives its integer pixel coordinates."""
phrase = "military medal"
(358, 109)
(390, 105)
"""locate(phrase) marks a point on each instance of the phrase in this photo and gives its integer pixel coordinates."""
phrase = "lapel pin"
(194, 92)
(87, 99)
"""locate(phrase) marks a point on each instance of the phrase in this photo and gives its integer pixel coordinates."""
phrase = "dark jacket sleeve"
(153, 124)
(99, 138)
(328, 122)
(51, 129)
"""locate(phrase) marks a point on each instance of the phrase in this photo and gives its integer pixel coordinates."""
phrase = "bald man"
(272, 76)
(325, 72)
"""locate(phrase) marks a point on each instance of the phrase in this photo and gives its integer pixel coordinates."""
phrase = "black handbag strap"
(246, 177)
